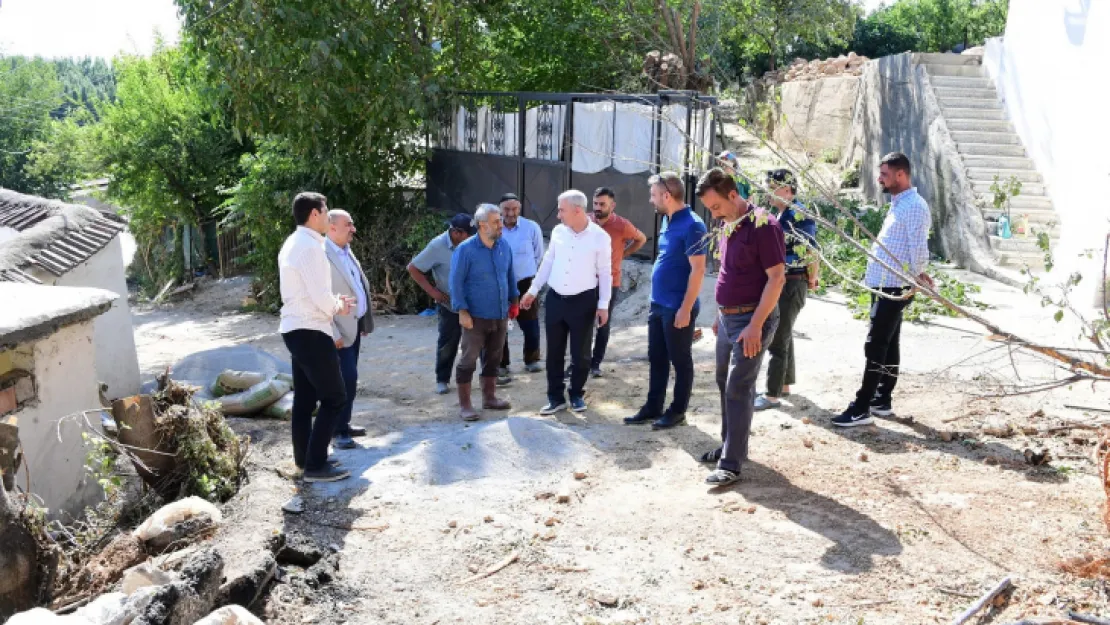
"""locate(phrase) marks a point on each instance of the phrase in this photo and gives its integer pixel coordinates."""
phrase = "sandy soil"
(896, 523)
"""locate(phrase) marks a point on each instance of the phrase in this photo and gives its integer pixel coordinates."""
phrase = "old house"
(48, 380)
(58, 244)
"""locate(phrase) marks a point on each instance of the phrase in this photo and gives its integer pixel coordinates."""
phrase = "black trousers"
(882, 349)
(569, 318)
(317, 378)
(447, 345)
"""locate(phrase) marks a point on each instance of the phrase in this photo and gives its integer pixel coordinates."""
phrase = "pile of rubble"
(843, 65)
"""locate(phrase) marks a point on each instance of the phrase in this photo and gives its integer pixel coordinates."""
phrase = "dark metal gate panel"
(459, 181)
(633, 199)
(543, 182)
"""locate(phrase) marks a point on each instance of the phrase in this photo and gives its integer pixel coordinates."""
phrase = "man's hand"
(602, 317)
(339, 343)
(526, 301)
(752, 339)
(465, 320)
(715, 322)
(814, 282)
(926, 280)
(682, 318)
(442, 298)
(346, 304)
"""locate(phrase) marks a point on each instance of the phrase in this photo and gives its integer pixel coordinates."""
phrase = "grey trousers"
(736, 378)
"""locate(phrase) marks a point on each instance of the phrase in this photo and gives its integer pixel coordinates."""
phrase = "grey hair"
(483, 212)
(335, 213)
(574, 197)
(670, 181)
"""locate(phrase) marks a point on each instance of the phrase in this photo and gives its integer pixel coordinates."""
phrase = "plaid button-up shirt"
(905, 234)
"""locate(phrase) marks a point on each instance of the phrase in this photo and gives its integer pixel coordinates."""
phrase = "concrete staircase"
(990, 149)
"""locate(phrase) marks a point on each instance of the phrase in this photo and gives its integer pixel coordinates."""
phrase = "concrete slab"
(33, 311)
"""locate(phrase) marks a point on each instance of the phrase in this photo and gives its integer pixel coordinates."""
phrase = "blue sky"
(103, 28)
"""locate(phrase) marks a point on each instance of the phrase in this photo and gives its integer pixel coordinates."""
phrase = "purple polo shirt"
(746, 255)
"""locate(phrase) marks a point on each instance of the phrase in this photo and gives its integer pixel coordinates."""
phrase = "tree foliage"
(929, 26)
(29, 91)
(781, 29)
(167, 144)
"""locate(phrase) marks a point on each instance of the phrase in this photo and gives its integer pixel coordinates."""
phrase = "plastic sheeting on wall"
(593, 136)
(634, 129)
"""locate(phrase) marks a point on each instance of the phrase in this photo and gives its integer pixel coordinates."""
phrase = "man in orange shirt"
(626, 240)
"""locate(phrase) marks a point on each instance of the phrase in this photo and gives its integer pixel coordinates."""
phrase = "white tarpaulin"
(635, 138)
(672, 151)
(511, 133)
(480, 131)
(593, 137)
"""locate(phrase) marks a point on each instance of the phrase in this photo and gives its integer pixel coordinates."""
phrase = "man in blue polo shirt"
(675, 283)
(484, 294)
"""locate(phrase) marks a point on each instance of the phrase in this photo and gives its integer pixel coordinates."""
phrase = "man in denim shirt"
(484, 294)
(802, 272)
(752, 274)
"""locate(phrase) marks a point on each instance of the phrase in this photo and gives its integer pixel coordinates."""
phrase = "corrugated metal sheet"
(70, 246)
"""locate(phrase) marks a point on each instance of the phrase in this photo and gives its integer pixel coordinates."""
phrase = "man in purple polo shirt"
(752, 274)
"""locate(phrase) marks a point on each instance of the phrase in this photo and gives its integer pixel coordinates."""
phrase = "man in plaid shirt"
(903, 244)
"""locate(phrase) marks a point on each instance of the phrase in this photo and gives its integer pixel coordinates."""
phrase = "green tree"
(65, 155)
(781, 29)
(929, 26)
(167, 144)
(29, 91)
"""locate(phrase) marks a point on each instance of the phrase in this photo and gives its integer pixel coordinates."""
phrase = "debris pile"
(180, 446)
(843, 65)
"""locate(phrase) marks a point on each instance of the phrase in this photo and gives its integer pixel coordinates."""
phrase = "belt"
(592, 291)
(796, 276)
(736, 310)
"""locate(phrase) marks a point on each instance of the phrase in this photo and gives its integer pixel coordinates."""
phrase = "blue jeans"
(447, 346)
(736, 378)
(668, 347)
(348, 364)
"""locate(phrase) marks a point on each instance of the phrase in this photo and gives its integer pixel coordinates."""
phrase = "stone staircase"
(989, 148)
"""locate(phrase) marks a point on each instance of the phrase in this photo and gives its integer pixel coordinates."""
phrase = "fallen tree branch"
(509, 559)
(1087, 618)
(983, 601)
(1092, 409)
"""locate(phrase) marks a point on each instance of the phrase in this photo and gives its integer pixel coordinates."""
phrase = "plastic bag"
(171, 514)
(280, 409)
(254, 399)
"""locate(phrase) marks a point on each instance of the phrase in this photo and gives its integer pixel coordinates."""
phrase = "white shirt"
(355, 272)
(577, 262)
(307, 302)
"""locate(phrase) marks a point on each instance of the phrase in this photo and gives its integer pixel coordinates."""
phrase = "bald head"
(341, 228)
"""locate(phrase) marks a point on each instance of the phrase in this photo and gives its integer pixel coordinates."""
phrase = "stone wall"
(896, 110)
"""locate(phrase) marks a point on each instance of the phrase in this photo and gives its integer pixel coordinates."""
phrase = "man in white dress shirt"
(577, 267)
(348, 278)
(307, 310)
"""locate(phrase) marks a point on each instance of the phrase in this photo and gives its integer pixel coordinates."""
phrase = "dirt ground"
(900, 522)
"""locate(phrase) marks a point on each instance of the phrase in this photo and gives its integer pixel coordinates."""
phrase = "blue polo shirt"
(482, 280)
(680, 236)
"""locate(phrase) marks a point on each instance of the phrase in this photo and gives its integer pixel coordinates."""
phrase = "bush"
(393, 226)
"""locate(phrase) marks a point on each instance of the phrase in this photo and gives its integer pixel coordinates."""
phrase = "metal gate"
(484, 144)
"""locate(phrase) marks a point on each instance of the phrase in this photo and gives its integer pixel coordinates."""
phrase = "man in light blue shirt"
(902, 245)
(525, 238)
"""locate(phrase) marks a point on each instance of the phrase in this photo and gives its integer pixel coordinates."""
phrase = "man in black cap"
(525, 238)
(436, 259)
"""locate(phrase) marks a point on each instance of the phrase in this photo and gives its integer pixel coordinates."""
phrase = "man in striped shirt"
(307, 308)
(902, 244)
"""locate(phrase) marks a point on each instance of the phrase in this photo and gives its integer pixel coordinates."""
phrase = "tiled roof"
(54, 236)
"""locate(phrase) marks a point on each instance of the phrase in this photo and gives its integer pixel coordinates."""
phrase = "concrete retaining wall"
(897, 111)
(816, 115)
